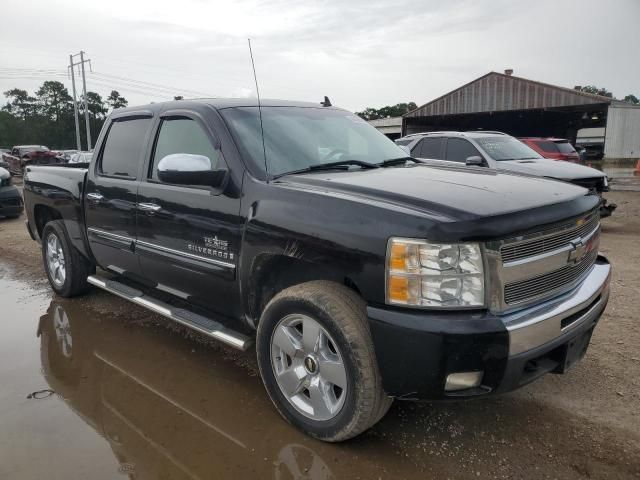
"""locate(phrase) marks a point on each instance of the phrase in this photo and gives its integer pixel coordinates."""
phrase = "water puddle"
(112, 398)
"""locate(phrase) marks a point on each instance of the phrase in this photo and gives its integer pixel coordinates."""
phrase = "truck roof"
(220, 103)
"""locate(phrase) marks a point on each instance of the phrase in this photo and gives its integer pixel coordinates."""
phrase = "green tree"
(389, 111)
(54, 100)
(596, 91)
(20, 103)
(115, 100)
(95, 105)
(632, 99)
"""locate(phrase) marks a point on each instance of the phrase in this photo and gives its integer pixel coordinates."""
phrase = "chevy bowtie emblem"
(578, 251)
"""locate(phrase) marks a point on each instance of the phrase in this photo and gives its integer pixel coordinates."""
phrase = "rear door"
(188, 235)
(430, 148)
(110, 198)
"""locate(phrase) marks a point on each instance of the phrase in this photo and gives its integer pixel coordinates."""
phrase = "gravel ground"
(585, 424)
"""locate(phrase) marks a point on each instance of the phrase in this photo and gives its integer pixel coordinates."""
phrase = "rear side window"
(431, 148)
(183, 135)
(458, 150)
(122, 152)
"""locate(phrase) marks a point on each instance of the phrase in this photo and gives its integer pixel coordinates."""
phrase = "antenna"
(255, 79)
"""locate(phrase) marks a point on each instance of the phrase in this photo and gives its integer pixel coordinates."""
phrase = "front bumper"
(11, 203)
(417, 351)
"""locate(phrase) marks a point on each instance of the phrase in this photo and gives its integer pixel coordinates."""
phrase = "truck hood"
(456, 193)
(544, 167)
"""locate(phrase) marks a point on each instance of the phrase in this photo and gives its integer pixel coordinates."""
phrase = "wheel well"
(43, 215)
(273, 273)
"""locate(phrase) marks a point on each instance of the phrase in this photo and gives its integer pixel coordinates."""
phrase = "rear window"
(122, 152)
(547, 146)
(565, 147)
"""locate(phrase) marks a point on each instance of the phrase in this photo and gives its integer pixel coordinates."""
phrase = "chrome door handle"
(95, 197)
(149, 208)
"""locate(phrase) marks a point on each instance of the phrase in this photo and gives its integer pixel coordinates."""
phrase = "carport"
(513, 105)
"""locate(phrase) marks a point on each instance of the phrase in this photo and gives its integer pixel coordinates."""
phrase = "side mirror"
(475, 161)
(188, 169)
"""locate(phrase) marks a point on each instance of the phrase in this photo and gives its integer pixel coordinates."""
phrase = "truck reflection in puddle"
(170, 412)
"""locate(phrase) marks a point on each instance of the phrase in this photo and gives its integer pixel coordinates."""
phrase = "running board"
(204, 325)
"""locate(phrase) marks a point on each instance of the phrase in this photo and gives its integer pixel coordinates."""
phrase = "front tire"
(67, 270)
(318, 363)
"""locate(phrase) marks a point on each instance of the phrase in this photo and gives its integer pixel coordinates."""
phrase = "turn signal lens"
(399, 289)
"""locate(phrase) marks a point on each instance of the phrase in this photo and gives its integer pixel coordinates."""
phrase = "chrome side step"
(204, 325)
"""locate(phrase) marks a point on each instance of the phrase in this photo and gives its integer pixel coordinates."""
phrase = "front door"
(110, 198)
(189, 236)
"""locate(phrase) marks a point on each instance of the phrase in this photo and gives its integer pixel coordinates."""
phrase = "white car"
(81, 157)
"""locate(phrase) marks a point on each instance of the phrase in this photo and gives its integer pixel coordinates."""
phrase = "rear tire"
(341, 364)
(67, 270)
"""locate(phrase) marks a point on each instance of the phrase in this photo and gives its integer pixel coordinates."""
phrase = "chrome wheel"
(308, 367)
(55, 260)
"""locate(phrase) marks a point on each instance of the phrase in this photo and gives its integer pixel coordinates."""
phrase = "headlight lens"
(422, 273)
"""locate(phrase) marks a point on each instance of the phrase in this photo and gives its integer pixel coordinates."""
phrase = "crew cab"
(360, 274)
(23, 155)
(500, 151)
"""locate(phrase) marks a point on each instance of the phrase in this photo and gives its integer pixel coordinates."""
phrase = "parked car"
(552, 148)
(24, 155)
(81, 157)
(361, 274)
(11, 204)
(65, 155)
(499, 151)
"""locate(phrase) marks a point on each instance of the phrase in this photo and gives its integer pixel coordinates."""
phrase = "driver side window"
(180, 135)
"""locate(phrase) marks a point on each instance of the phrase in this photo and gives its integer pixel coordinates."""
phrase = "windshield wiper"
(390, 162)
(341, 164)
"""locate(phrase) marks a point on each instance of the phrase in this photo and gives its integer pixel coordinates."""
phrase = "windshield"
(297, 138)
(506, 148)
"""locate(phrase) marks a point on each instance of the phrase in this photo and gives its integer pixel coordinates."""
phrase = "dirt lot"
(135, 398)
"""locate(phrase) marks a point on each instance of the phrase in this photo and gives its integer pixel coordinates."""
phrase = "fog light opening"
(463, 380)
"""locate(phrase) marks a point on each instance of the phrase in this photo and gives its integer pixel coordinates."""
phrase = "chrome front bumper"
(535, 326)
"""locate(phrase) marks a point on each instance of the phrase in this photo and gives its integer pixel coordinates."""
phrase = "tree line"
(46, 118)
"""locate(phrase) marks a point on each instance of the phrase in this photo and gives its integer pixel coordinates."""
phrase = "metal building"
(523, 107)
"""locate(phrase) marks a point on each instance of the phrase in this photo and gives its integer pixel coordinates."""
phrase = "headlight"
(422, 273)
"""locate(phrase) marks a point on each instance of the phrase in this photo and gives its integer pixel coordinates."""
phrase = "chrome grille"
(550, 241)
(548, 283)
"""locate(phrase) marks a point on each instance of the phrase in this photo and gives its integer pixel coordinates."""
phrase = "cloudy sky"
(358, 52)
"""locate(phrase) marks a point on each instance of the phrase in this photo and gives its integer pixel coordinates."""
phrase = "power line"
(145, 84)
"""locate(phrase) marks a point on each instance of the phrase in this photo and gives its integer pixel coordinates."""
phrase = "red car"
(23, 155)
(553, 148)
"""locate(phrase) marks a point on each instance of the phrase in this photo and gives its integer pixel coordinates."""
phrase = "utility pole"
(84, 96)
(75, 103)
(86, 109)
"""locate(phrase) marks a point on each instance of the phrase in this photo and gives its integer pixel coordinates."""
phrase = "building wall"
(622, 136)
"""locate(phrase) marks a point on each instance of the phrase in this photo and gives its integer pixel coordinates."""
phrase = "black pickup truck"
(361, 274)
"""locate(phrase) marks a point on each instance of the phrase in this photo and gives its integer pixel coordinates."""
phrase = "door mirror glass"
(189, 169)
(475, 160)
